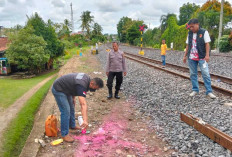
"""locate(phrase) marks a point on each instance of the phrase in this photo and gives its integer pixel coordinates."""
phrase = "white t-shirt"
(194, 53)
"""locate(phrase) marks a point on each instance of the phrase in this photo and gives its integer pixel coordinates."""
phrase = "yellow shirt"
(163, 49)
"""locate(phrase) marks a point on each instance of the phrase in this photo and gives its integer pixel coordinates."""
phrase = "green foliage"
(209, 17)
(96, 34)
(86, 20)
(123, 25)
(67, 44)
(156, 46)
(164, 21)
(54, 47)
(27, 50)
(18, 131)
(224, 44)
(186, 12)
(175, 33)
(152, 37)
(15, 88)
(132, 34)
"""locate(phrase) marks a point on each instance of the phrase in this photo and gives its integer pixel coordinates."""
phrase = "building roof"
(3, 43)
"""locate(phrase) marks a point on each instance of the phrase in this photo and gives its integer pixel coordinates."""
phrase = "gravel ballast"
(162, 97)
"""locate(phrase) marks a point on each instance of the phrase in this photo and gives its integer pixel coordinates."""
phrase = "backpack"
(51, 126)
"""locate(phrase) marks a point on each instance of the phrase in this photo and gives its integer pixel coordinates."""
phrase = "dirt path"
(116, 128)
(47, 107)
(11, 112)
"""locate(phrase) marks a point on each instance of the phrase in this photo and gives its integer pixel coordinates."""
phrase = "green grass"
(19, 129)
(12, 89)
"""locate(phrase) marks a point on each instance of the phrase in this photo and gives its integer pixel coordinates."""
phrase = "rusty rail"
(213, 76)
(208, 130)
(219, 89)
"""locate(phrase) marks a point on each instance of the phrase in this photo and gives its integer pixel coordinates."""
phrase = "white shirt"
(194, 52)
(206, 37)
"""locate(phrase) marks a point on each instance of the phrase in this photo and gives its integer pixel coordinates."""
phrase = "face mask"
(92, 90)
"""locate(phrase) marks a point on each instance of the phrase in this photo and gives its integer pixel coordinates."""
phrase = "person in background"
(197, 54)
(96, 48)
(116, 66)
(64, 90)
(163, 52)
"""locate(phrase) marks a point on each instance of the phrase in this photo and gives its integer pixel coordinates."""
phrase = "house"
(4, 65)
(3, 45)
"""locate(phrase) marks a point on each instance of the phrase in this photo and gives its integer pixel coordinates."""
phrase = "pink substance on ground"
(107, 139)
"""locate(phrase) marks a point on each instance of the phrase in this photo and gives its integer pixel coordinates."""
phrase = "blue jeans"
(194, 75)
(66, 106)
(163, 60)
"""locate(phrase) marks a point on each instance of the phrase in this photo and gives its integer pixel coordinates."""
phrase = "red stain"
(107, 139)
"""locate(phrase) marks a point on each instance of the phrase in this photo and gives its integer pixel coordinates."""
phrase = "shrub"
(224, 44)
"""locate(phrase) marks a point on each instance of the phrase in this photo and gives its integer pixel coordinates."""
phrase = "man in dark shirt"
(64, 90)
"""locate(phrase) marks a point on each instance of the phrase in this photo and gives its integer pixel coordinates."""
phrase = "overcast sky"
(107, 13)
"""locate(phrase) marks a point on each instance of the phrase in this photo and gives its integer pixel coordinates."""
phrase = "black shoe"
(109, 96)
(116, 96)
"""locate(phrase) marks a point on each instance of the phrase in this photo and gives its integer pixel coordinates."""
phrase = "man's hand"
(124, 73)
(206, 58)
(184, 59)
(84, 125)
(107, 73)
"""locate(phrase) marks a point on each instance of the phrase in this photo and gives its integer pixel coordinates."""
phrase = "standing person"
(64, 90)
(197, 53)
(163, 52)
(96, 48)
(116, 66)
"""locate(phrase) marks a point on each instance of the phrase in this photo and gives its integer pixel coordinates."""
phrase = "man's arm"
(83, 111)
(185, 54)
(124, 64)
(108, 64)
(207, 47)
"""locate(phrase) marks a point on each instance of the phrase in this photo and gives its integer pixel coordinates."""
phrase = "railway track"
(150, 62)
(212, 54)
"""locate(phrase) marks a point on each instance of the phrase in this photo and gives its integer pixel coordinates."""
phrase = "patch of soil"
(117, 129)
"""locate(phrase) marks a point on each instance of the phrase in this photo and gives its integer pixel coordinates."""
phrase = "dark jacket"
(200, 43)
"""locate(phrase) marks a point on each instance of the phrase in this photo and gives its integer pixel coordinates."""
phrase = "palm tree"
(67, 24)
(86, 20)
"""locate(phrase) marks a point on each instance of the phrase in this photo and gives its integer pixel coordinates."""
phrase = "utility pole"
(220, 25)
(72, 19)
(1, 27)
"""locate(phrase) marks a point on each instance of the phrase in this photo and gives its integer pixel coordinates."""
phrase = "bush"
(224, 44)
(156, 46)
(175, 33)
(68, 44)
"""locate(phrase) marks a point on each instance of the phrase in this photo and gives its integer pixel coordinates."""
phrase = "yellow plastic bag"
(56, 142)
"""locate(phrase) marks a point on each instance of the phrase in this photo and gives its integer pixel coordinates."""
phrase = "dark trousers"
(119, 79)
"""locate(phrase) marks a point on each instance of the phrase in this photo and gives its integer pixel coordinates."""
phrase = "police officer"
(64, 90)
(116, 66)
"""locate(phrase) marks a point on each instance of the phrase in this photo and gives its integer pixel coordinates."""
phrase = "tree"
(86, 20)
(97, 29)
(175, 33)
(164, 21)
(152, 37)
(208, 16)
(186, 12)
(133, 32)
(96, 34)
(54, 46)
(63, 29)
(122, 27)
(27, 50)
